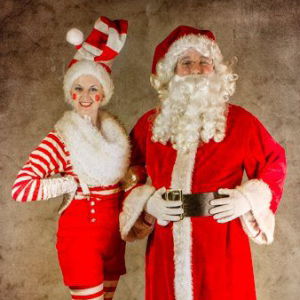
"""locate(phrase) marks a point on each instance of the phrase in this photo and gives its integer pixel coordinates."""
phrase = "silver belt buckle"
(175, 195)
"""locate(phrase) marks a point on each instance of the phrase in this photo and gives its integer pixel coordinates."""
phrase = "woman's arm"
(33, 182)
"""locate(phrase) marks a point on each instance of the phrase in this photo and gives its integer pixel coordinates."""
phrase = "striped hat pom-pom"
(75, 37)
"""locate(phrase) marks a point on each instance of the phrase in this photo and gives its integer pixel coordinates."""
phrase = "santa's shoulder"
(239, 113)
(147, 118)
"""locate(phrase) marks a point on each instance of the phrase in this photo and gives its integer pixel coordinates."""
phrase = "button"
(92, 203)
(93, 220)
(93, 211)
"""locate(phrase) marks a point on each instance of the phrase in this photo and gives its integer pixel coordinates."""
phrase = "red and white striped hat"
(95, 56)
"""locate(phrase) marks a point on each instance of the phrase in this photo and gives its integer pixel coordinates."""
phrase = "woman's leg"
(110, 286)
(87, 293)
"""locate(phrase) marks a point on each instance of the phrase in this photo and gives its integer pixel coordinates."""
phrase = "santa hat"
(179, 40)
(95, 56)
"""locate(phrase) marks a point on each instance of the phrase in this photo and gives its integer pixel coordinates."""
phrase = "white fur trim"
(183, 170)
(99, 156)
(259, 223)
(182, 230)
(88, 67)
(74, 36)
(204, 45)
(133, 206)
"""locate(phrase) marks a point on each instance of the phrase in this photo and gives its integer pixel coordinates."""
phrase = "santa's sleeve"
(265, 165)
(134, 222)
(33, 182)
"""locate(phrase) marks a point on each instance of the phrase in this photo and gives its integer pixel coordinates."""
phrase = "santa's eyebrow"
(187, 57)
(184, 57)
(206, 57)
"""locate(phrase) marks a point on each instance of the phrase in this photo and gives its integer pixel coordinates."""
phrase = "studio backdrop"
(263, 35)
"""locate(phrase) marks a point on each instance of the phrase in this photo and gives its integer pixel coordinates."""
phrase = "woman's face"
(87, 95)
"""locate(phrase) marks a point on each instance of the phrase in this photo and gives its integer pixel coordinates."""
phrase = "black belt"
(194, 205)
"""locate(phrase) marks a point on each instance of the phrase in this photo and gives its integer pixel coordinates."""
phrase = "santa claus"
(195, 149)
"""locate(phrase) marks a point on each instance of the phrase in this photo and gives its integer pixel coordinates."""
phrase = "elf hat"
(179, 40)
(95, 56)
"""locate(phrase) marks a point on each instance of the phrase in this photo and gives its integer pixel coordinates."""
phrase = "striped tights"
(100, 292)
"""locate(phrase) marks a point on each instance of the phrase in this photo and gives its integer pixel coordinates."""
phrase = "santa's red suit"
(198, 258)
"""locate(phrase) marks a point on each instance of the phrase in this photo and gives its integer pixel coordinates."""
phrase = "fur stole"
(99, 156)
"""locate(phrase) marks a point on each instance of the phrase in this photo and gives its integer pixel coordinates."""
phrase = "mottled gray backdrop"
(264, 35)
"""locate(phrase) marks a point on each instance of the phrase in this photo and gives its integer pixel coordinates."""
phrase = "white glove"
(230, 207)
(164, 211)
(53, 187)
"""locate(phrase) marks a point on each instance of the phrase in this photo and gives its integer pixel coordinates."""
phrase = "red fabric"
(97, 38)
(107, 54)
(221, 258)
(180, 31)
(90, 252)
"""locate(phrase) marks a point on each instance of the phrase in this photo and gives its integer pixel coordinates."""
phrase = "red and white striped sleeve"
(47, 159)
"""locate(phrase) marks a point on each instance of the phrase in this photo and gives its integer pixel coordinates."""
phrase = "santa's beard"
(193, 110)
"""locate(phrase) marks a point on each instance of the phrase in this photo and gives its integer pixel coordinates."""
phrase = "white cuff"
(259, 223)
(133, 206)
(54, 187)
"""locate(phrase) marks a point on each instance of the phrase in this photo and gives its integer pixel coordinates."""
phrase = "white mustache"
(191, 84)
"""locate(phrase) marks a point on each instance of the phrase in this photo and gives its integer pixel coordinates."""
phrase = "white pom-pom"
(74, 36)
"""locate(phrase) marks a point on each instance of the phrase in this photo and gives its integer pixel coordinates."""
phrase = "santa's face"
(191, 62)
(87, 95)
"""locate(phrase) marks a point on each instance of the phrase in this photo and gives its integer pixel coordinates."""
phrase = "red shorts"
(89, 245)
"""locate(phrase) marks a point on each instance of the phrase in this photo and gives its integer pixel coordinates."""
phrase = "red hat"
(95, 56)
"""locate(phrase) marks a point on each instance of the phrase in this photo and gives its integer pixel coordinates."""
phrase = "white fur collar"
(98, 156)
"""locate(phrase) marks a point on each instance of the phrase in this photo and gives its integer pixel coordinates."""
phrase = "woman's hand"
(54, 187)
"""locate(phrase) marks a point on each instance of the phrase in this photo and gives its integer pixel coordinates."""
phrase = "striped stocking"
(110, 288)
(89, 293)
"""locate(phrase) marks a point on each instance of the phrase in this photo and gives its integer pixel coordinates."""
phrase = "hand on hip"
(231, 207)
(164, 211)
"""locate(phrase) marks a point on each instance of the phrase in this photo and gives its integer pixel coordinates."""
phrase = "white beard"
(193, 111)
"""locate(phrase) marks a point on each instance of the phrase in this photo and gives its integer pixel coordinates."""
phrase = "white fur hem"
(133, 206)
(183, 283)
(259, 223)
(182, 230)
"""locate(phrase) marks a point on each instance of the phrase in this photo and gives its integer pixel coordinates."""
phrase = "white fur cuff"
(133, 206)
(259, 223)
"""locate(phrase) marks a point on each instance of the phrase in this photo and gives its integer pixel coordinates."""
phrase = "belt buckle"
(174, 195)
